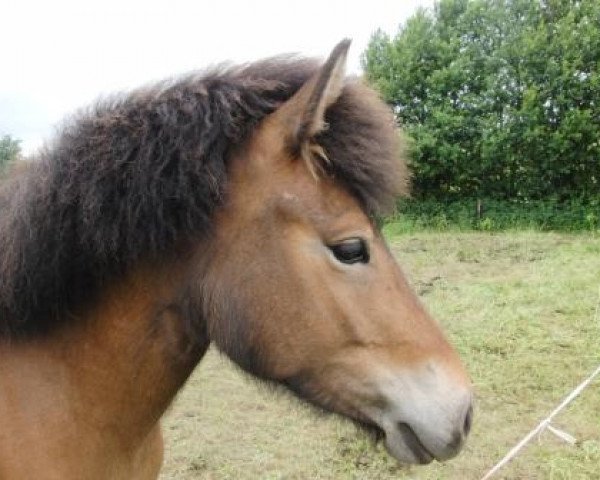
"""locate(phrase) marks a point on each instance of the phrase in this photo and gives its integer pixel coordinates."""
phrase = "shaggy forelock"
(128, 178)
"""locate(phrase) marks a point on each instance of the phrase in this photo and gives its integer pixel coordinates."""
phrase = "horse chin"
(373, 431)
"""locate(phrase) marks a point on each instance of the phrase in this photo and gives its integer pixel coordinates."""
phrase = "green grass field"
(518, 306)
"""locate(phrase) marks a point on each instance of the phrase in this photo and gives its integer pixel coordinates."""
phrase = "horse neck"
(115, 371)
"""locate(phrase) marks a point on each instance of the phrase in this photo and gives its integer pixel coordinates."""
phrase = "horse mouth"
(410, 441)
(403, 445)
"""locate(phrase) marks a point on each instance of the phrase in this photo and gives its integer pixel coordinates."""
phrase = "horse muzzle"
(426, 415)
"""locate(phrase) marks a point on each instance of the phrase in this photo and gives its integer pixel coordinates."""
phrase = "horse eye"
(351, 251)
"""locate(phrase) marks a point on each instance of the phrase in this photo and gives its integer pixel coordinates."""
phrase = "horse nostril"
(468, 421)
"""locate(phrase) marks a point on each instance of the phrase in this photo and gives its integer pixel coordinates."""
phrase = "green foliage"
(495, 215)
(9, 150)
(500, 97)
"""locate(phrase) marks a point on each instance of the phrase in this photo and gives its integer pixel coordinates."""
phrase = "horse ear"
(303, 115)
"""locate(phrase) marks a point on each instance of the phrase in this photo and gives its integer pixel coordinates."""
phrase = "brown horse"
(237, 207)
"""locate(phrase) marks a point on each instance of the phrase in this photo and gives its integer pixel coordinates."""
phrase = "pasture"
(518, 306)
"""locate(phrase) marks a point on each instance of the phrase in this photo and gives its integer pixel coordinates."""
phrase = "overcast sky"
(58, 55)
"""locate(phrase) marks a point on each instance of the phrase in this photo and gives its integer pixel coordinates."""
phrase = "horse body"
(255, 234)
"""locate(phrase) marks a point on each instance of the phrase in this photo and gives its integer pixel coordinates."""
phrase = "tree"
(501, 97)
(9, 150)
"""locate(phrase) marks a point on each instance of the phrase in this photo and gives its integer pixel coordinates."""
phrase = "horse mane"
(128, 178)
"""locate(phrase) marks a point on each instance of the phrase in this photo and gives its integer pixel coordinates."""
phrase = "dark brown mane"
(131, 176)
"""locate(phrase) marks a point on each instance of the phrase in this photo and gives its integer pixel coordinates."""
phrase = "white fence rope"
(545, 423)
